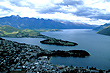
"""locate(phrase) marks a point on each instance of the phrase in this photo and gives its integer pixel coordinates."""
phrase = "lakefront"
(52, 50)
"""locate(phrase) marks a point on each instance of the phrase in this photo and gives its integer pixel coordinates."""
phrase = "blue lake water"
(97, 45)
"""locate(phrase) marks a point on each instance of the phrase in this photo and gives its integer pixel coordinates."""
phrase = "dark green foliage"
(71, 53)
(53, 41)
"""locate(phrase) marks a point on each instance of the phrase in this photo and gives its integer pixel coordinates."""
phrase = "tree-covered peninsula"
(61, 53)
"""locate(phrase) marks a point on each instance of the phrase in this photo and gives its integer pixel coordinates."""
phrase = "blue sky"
(94, 12)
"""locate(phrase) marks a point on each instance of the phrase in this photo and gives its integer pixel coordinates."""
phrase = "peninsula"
(8, 31)
(61, 53)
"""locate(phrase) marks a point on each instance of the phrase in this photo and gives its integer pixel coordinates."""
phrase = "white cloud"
(68, 8)
(6, 4)
(100, 4)
(73, 18)
(23, 3)
(34, 8)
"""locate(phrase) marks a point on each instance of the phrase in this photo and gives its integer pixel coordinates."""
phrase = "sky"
(94, 12)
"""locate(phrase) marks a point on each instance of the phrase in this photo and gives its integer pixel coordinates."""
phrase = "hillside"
(105, 31)
(8, 31)
(33, 23)
(101, 27)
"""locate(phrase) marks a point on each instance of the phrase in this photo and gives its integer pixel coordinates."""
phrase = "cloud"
(101, 16)
(85, 11)
(51, 10)
(71, 2)
(92, 11)
(73, 18)
(16, 3)
(5, 8)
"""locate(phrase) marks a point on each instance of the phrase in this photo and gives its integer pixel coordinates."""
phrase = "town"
(21, 57)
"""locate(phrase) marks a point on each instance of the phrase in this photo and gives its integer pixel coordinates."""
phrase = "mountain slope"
(8, 31)
(101, 27)
(33, 23)
(105, 31)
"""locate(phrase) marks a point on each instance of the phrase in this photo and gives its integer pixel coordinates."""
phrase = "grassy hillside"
(105, 31)
(8, 31)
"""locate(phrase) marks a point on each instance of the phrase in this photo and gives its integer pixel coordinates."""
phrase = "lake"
(97, 45)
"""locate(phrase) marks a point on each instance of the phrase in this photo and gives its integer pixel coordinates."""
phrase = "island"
(53, 41)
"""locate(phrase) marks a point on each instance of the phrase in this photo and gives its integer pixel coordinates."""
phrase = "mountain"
(105, 31)
(33, 23)
(101, 27)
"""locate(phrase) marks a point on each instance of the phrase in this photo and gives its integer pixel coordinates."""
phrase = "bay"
(97, 45)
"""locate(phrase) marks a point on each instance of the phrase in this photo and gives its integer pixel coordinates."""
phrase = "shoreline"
(19, 56)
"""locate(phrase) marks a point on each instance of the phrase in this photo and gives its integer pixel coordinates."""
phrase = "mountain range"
(33, 23)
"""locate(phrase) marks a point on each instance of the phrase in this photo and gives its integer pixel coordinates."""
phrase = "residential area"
(21, 57)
